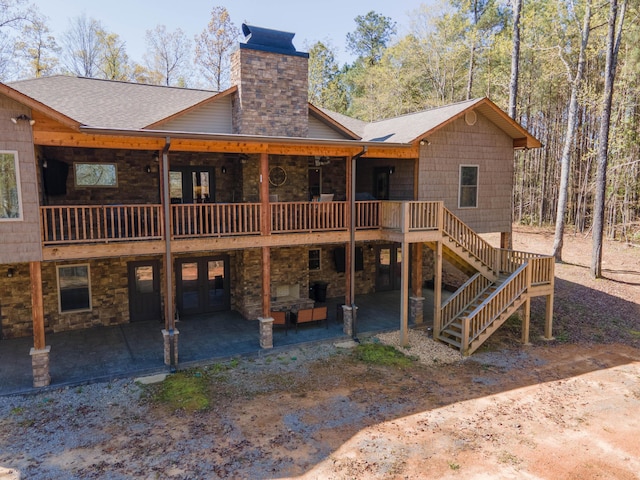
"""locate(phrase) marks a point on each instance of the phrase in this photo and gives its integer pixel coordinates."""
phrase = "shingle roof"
(109, 104)
(407, 128)
(132, 106)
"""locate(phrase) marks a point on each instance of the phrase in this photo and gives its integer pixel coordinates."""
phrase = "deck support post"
(404, 292)
(416, 311)
(266, 282)
(548, 318)
(40, 352)
(526, 321)
(437, 290)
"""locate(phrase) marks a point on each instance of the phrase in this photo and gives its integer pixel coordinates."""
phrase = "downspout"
(352, 243)
(169, 320)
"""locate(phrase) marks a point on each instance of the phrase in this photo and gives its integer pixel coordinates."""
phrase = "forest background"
(455, 50)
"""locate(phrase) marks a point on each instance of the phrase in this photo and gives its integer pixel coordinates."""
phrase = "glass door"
(388, 267)
(144, 291)
(202, 285)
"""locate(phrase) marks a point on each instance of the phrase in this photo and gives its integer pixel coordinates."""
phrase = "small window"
(314, 259)
(74, 288)
(96, 174)
(468, 195)
(10, 198)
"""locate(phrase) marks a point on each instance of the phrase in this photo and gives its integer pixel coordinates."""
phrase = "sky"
(324, 20)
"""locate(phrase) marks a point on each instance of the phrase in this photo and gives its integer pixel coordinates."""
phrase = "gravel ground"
(422, 346)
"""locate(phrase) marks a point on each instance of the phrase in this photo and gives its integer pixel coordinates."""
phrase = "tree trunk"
(568, 140)
(613, 45)
(515, 59)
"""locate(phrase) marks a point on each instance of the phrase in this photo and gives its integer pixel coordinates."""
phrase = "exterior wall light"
(24, 117)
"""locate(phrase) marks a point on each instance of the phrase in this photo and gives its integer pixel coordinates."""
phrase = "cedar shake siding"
(484, 145)
(20, 237)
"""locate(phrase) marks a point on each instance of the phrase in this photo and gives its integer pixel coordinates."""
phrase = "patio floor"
(133, 349)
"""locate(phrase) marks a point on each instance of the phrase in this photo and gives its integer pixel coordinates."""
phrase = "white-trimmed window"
(314, 259)
(468, 192)
(74, 288)
(10, 196)
(95, 174)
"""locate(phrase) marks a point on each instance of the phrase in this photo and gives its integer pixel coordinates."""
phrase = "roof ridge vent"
(267, 40)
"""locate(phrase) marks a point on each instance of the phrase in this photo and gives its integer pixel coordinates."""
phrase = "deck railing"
(462, 234)
(101, 223)
(483, 316)
(462, 298)
(291, 217)
(215, 219)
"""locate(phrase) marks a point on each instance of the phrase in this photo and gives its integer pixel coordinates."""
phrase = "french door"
(202, 285)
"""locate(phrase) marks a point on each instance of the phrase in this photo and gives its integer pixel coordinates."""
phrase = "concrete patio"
(134, 349)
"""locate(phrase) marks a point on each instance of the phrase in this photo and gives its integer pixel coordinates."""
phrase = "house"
(124, 202)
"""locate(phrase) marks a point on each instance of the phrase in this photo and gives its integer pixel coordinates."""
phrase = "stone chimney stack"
(272, 81)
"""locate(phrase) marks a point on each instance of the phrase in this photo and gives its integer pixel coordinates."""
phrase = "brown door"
(388, 267)
(202, 285)
(144, 291)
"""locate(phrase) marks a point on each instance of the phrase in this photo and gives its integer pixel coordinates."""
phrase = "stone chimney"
(272, 81)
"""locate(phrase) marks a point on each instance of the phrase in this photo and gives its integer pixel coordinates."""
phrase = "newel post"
(526, 319)
(464, 341)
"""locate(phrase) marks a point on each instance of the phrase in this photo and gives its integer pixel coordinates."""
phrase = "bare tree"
(81, 46)
(614, 37)
(572, 124)
(214, 45)
(515, 59)
(38, 47)
(113, 59)
(14, 14)
(168, 55)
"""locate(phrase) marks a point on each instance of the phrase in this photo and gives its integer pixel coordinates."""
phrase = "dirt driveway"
(565, 409)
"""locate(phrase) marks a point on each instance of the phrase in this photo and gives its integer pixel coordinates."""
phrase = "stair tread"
(453, 333)
(450, 341)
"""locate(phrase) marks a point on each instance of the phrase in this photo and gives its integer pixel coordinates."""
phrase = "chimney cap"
(265, 39)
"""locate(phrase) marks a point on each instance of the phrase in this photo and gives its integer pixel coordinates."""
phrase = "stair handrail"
(462, 298)
(461, 233)
(475, 328)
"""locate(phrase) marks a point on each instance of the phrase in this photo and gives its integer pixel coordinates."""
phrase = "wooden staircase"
(501, 282)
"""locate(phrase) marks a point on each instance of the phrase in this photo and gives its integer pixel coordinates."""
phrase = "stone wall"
(249, 288)
(365, 279)
(109, 296)
(295, 189)
(135, 185)
(15, 302)
(272, 97)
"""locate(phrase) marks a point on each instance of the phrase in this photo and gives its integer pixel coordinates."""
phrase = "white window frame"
(16, 163)
(477, 185)
(58, 267)
(319, 259)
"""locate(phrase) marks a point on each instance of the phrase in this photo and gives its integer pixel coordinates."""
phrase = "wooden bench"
(315, 314)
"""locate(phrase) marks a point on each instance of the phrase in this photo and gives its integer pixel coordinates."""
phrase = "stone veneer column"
(266, 332)
(166, 334)
(416, 309)
(347, 318)
(40, 366)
